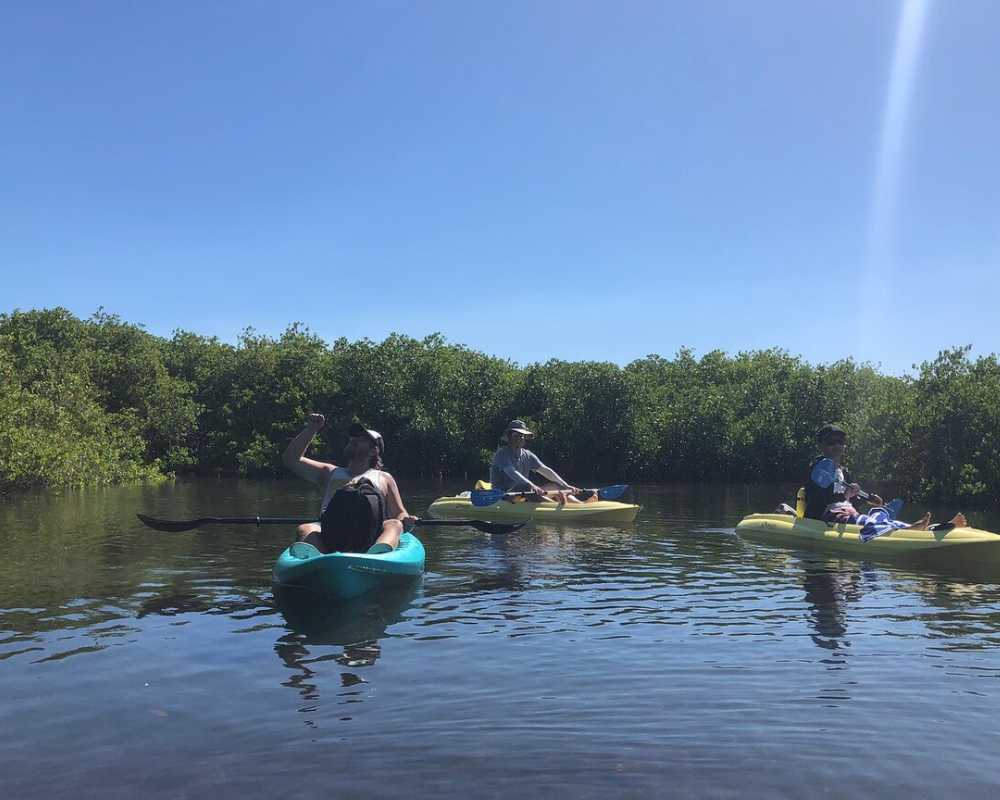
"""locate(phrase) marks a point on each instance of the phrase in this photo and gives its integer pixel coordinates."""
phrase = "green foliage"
(101, 401)
(440, 406)
(54, 429)
(251, 397)
(953, 428)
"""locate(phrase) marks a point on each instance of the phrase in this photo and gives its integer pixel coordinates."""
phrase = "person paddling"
(362, 510)
(830, 492)
(513, 464)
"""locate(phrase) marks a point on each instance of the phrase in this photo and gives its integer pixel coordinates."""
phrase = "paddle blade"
(495, 527)
(168, 525)
(486, 497)
(478, 524)
(612, 492)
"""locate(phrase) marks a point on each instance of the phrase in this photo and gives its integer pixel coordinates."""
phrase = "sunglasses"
(830, 442)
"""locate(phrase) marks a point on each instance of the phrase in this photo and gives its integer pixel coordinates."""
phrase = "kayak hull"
(786, 529)
(347, 575)
(602, 511)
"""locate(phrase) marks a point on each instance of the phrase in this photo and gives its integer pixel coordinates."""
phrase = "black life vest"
(352, 520)
(819, 497)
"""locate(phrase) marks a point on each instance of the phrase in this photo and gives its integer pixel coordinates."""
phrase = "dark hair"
(829, 430)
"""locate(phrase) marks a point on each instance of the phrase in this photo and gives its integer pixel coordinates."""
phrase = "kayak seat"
(304, 550)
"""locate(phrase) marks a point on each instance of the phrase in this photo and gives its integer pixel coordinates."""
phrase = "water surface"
(668, 657)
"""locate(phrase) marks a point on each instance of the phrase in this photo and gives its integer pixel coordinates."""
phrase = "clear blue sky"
(559, 179)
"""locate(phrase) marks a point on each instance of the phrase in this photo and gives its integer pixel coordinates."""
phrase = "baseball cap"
(357, 429)
(829, 431)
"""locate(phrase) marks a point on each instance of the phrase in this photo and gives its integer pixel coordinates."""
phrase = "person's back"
(353, 519)
(341, 476)
(362, 508)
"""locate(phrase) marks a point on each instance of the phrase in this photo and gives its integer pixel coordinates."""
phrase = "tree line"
(100, 401)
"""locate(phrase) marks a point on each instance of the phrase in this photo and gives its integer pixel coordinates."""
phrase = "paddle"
(864, 495)
(487, 497)
(176, 526)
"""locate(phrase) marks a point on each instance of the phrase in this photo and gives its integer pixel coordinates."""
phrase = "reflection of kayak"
(346, 575)
(347, 622)
(786, 529)
(601, 511)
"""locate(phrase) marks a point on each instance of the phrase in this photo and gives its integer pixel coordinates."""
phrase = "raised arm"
(294, 456)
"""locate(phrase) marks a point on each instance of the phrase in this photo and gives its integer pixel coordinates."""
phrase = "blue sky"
(559, 179)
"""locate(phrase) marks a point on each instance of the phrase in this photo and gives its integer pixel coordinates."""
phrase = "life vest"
(352, 520)
(819, 497)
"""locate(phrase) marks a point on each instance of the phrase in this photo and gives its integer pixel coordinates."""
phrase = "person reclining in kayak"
(350, 493)
(830, 492)
(513, 464)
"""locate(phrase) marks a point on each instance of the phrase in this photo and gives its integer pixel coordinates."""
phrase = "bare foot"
(922, 523)
(959, 520)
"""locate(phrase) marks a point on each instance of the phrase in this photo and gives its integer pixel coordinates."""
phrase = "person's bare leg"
(959, 520)
(392, 529)
(922, 523)
(310, 534)
(557, 494)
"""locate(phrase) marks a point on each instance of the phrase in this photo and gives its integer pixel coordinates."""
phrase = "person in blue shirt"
(829, 488)
(831, 492)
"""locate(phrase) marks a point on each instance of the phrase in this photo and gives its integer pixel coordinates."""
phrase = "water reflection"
(356, 626)
(674, 630)
(829, 586)
(482, 564)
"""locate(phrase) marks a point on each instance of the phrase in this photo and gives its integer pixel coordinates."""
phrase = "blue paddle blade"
(612, 492)
(486, 497)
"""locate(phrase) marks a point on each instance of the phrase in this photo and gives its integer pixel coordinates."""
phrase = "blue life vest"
(819, 497)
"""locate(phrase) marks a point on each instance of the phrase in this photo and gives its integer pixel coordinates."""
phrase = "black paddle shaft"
(177, 526)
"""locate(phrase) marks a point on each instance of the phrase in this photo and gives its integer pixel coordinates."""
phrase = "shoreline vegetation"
(101, 401)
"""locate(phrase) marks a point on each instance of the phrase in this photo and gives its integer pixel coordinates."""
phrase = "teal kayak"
(347, 575)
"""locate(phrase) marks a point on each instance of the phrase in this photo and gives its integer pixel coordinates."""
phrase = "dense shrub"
(102, 400)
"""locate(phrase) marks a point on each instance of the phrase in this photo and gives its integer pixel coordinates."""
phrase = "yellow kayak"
(786, 529)
(553, 513)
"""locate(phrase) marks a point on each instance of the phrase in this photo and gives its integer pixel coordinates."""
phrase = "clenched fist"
(315, 421)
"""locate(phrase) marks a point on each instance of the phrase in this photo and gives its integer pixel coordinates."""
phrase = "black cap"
(829, 430)
(357, 429)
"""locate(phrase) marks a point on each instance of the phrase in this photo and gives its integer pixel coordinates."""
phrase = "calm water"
(668, 657)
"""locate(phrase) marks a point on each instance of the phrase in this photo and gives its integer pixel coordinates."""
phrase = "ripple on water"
(598, 661)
